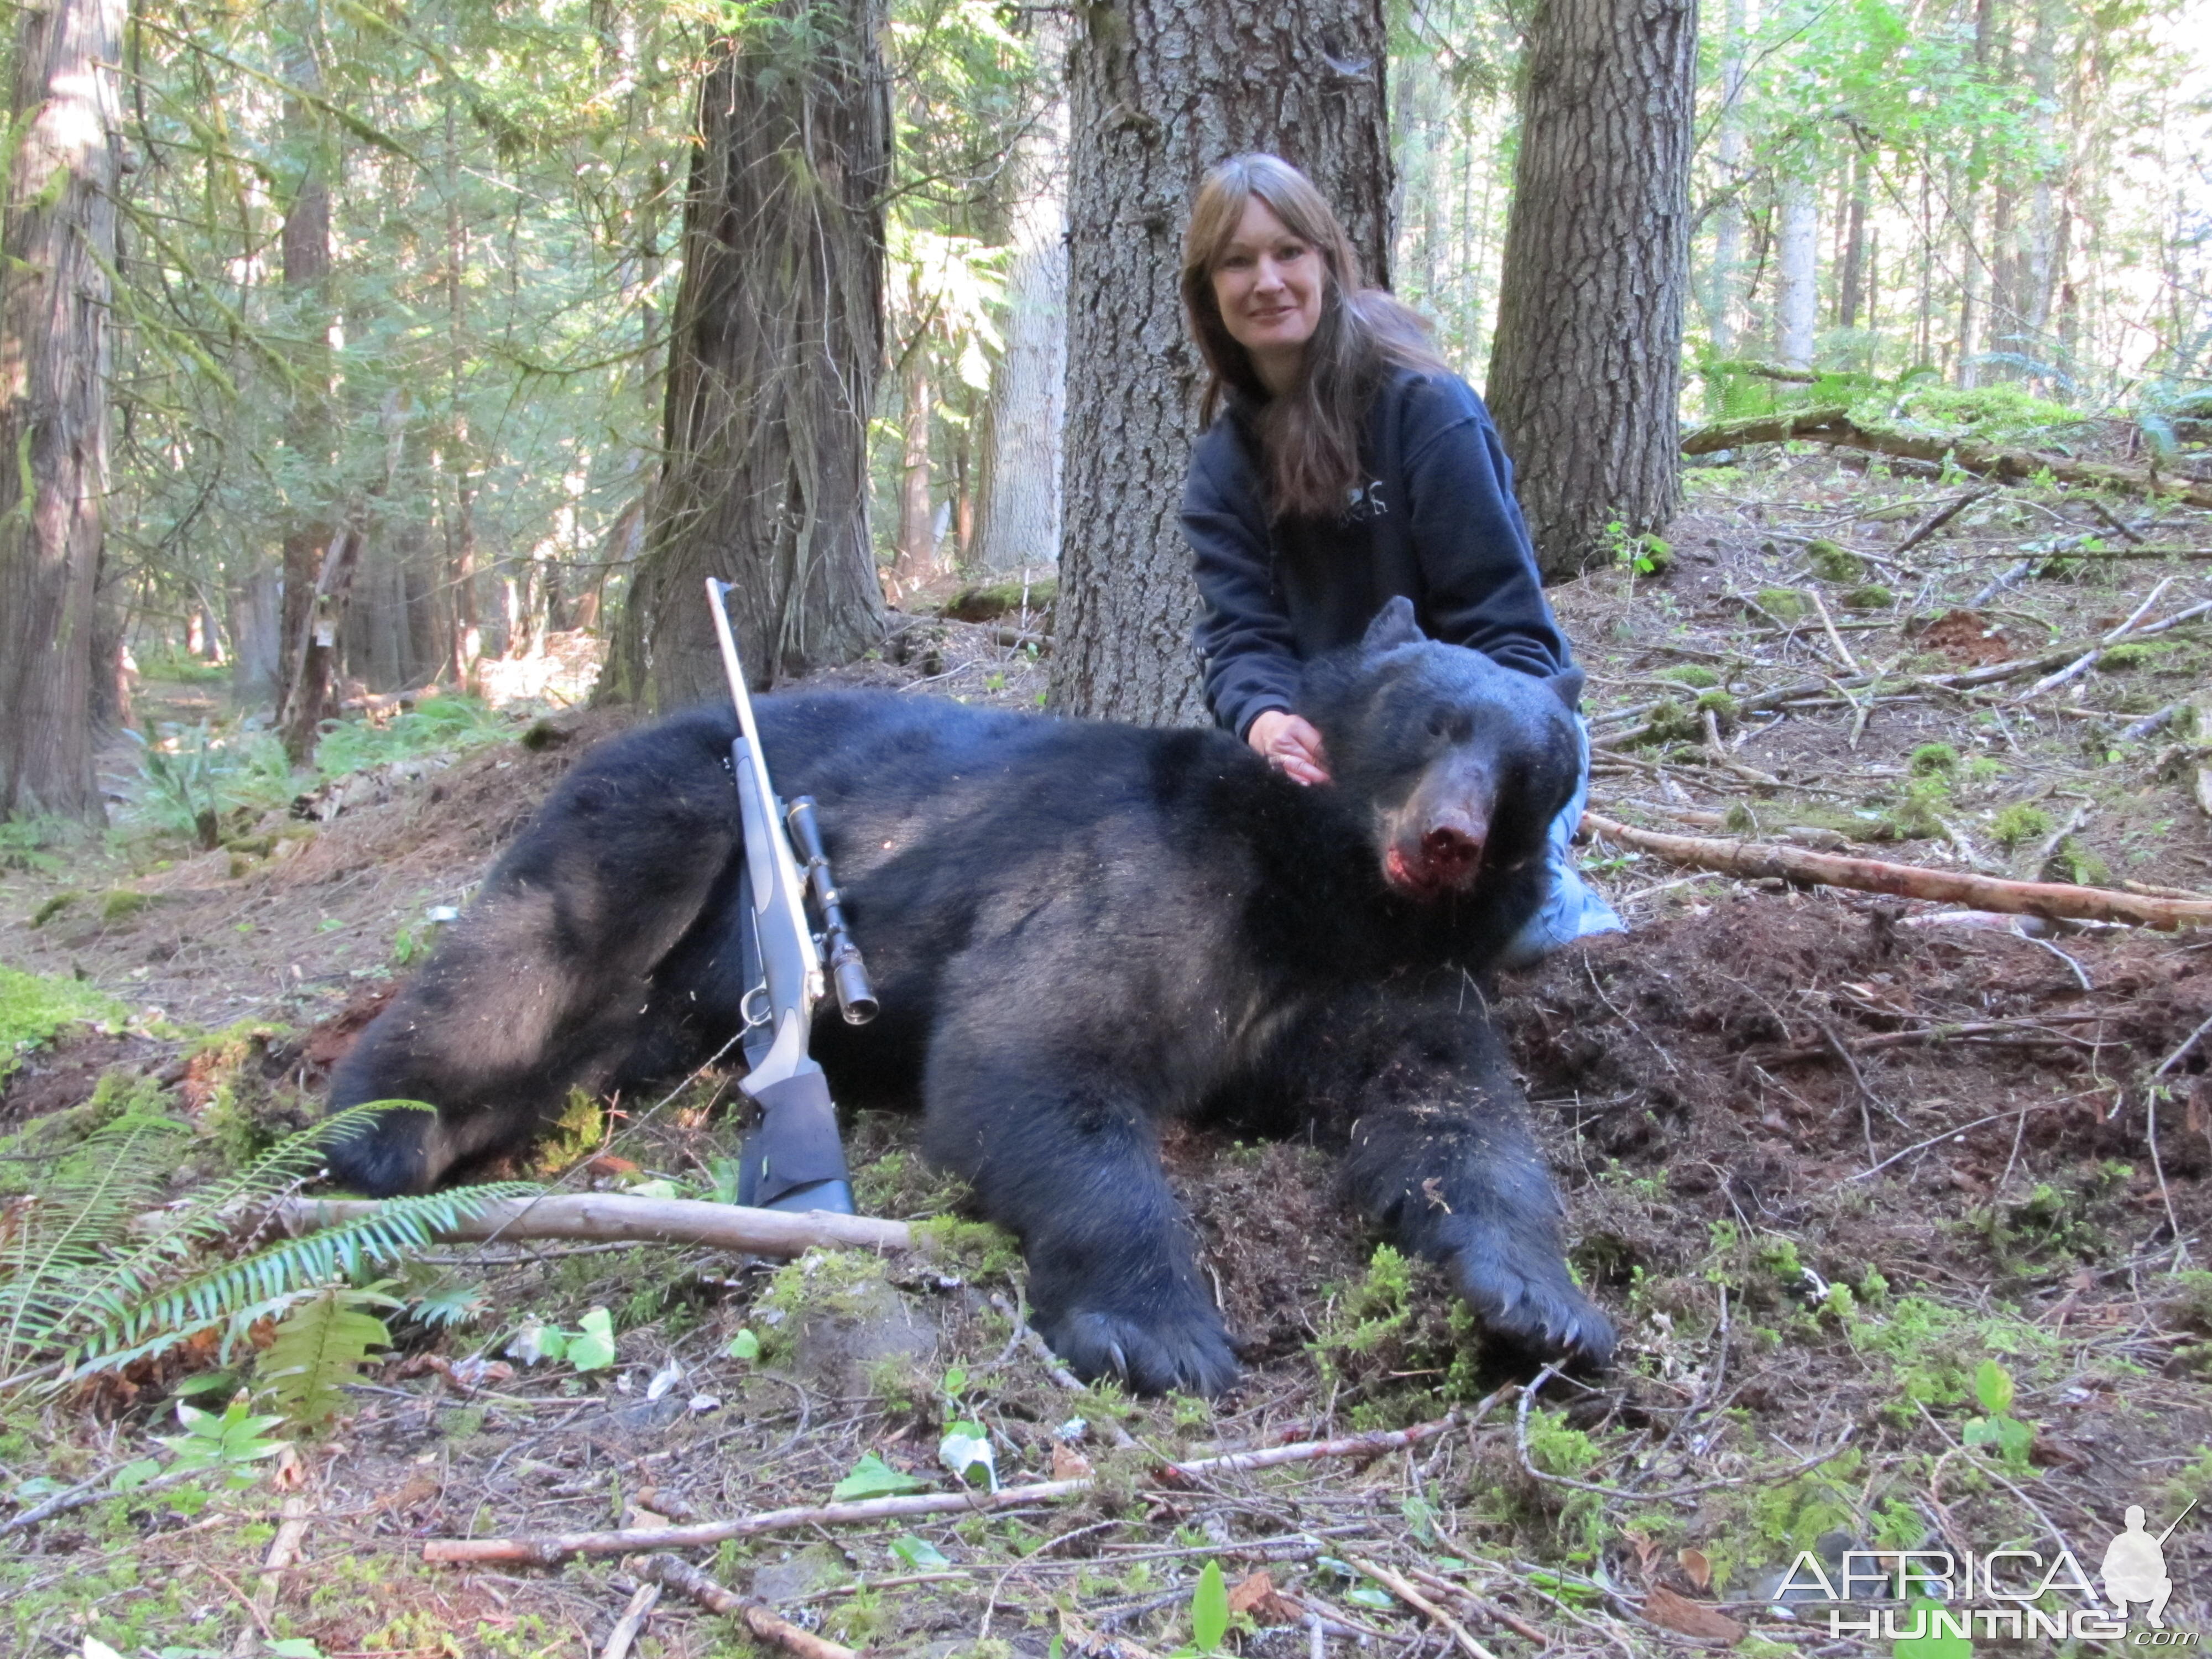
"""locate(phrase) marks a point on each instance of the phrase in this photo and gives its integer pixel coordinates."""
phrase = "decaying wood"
(559, 1547)
(673, 1573)
(621, 1218)
(1832, 424)
(624, 1636)
(1754, 860)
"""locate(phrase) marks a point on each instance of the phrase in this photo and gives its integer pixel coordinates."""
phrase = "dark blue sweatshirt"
(1278, 593)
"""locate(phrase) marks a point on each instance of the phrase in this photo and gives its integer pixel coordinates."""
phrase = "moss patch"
(33, 1008)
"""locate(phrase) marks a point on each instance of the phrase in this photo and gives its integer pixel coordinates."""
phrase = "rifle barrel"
(856, 996)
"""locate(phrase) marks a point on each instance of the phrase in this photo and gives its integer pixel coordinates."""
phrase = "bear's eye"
(1449, 725)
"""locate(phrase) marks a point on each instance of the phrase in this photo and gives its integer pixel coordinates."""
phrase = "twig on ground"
(1622, 1493)
(91, 1491)
(2182, 1052)
(685, 1579)
(631, 1622)
(1828, 622)
(2089, 659)
(1955, 1131)
(1483, 1605)
(1754, 859)
(559, 1547)
(1943, 516)
(1412, 1598)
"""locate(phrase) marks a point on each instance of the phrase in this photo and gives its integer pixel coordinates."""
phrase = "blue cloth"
(1573, 909)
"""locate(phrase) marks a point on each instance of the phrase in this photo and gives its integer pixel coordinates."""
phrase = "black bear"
(1076, 929)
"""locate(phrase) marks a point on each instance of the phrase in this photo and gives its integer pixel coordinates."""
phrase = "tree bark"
(1585, 374)
(774, 351)
(56, 246)
(307, 267)
(1796, 276)
(1160, 90)
(1018, 515)
(917, 525)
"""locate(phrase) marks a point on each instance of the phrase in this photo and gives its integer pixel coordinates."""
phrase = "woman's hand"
(1289, 744)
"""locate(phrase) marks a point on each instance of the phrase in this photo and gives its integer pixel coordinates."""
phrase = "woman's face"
(1268, 286)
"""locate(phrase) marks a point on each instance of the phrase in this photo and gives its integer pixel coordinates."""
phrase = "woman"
(1348, 466)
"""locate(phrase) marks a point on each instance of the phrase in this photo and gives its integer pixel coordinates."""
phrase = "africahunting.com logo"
(2014, 1593)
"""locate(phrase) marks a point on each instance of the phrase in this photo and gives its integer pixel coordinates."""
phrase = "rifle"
(793, 1159)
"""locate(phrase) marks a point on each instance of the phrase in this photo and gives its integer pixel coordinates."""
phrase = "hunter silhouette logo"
(2005, 1593)
(2135, 1567)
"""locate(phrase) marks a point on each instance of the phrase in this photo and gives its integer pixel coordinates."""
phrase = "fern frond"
(117, 1275)
(319, 1348)
(118, 1331)
(60, 1241)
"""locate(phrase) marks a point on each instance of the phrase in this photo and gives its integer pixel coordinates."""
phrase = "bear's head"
(1461, 765)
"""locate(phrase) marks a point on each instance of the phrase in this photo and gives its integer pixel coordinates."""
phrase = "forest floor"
(1898, 1216)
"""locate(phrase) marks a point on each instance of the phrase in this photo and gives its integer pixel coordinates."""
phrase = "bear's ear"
(1394, 626)
(1568, 684)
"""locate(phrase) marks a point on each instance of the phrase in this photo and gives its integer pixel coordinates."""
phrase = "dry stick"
(1059, 1373)
(559, 1547)
(2089, 659)
(1621, 1494)
(631, 1622)
(1980, 1028)
(1412, 1598)
(621, 1217)
(685, 1579)
(1943, 516)
(1753, 860)
(1827, 622)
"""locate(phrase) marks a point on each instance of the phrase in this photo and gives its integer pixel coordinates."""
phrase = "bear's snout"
(1436, 852)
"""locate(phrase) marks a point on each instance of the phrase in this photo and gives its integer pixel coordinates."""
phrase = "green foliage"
(1209, 1610)
(229, 1441)
(873, 1478)
(320, 1347)
(35, 1009)
(76, 1282)
(1697, 675)
(1993, 1391)
(1646, 554)
(2018, 823)
(1933, 758)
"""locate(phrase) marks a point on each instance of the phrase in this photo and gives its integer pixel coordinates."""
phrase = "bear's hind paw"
(1189, 1355)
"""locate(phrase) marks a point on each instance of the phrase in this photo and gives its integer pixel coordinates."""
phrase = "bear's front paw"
(1187, 1350)
(1535, 1308)
(389, 1153)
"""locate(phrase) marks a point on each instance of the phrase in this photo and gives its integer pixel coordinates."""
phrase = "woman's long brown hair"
(1310, 436)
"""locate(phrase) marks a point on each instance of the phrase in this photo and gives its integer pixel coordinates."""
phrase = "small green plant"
(873, 1478)
(1938, 759)
(227, 1442)
(1993, 1392)
(1645, 554)
(1697, 675)
(1209, 1610)
(589, 1347)
(2019, 823)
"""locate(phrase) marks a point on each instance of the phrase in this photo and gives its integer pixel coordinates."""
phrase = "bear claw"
(1194, 1359)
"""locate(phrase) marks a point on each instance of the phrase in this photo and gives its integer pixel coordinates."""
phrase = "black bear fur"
(1076, 929)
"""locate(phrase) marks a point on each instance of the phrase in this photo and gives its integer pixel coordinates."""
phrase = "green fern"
(77, 1284)
(320, 1347)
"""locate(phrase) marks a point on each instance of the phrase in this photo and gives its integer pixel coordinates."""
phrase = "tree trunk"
(1158, 91)
(772, 368)
(1796, 276)
(1852, 281)
(917, 527)
(1730, 151)
(307, 260)
(464, 640)
(1018, 518)
(1585, 375)
(56, 246)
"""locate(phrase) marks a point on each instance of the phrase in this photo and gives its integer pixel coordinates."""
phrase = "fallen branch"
(1943, 516)
(619, 1218)
(1412, 1598)
(559, 1547)
(672, 1573)
(1755, 860)
(1832, 424)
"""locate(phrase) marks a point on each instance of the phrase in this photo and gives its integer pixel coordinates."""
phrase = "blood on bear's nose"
(1448, 850)
(1443, 854)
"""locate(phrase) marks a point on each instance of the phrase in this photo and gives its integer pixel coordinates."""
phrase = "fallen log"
(1754, 860)
(559, 1547)
(1832, 424)
(619, 1218)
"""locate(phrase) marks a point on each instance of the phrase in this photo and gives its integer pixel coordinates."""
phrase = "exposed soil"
(1826, 1157)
